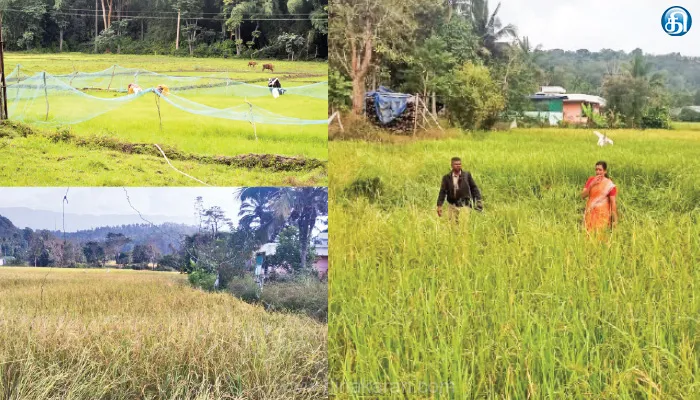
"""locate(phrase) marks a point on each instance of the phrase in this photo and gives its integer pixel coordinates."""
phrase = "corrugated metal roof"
(552, 89)
(585, 98)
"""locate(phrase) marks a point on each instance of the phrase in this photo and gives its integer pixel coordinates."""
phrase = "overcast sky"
(597, 24)
(176, 203)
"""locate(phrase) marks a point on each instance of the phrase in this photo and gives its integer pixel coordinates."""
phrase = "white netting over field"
(117, 78)
(57, 100)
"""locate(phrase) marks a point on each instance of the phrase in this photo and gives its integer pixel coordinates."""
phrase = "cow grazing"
(252, 64)
(268, 66)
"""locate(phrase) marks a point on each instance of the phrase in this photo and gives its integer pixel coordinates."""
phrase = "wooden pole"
(415, 114)
(3, 114)
(112, 78)
(46, 93)
(177, 37)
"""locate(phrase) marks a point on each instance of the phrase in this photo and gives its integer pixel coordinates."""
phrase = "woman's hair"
(605, 167)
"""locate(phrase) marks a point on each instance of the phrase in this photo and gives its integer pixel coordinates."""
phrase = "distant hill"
(40, 219)
(584, 71)
(166, 237)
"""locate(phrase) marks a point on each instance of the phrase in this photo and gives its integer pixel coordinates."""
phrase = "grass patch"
(37, 158)
(300, 295)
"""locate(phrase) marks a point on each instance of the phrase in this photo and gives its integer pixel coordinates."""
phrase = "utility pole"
(96, 28)
(3, 112)
(177, 38)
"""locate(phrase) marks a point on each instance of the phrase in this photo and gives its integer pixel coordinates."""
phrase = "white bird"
(602, 139)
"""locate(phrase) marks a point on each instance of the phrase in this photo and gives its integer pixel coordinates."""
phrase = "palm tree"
(269, 210)
(256, 213)
(309, 204)
(488, 27)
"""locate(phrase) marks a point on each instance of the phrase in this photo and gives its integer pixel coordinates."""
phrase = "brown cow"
(268, 66)
(252, 64)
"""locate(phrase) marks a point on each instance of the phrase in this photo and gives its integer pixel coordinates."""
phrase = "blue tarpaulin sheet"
(389, 104)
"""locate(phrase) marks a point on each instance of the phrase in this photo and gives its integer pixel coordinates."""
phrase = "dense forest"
(477, 69)
(142, 243)
(289, 29)
(583, 71)
(165, 237)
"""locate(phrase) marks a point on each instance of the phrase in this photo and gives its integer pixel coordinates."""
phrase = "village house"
(319, 244)
(555, 105)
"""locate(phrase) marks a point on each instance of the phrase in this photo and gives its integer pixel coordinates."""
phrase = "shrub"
(245, 289)
(656, 118)
(475, 101)
(201, 279)
(305, 295)
(371, 188)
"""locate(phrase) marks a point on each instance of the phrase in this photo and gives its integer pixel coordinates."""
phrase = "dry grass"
(146, 335)
(359, 128)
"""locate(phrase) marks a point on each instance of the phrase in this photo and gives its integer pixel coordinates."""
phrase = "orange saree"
(598, 214)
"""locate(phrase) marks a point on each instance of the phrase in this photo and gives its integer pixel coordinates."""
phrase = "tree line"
(291, 29)
(460, 55)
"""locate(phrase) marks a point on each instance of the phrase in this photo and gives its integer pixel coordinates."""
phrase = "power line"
(92, 10)
(117, 17)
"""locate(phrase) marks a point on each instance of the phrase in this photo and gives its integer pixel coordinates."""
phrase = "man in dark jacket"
(459, 188)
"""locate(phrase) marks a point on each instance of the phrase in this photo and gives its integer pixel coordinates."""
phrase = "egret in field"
(603, 139)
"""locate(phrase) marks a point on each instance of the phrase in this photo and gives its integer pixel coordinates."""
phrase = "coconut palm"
(269, 210)
(488, 27)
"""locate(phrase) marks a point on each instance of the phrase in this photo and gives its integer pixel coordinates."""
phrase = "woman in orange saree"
(601, 207)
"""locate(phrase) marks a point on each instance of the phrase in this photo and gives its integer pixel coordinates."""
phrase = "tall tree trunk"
(238, 37)
(434, 105)
(359, 67)
(177, 35)
(104, 14)
(60, 40)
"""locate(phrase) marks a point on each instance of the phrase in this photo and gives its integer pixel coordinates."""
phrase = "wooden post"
(415, 114)
(3, 113)
(112, 78)
(46, 93)
(177, 37)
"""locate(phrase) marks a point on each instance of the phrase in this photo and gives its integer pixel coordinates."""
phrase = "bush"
(475, 101)
(305, 295)
(203, 280)
(371, 188)
(656, 118)
(245, 289)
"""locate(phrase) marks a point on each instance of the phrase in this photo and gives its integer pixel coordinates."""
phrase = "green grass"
(65, 63)
(687, 126)
(516, 302)
(39, 161)
(88, 334)
(138, 121)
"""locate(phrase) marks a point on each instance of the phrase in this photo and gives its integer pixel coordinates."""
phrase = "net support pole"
(46, 94)
(3, 114)
(252, 120)
(114, 68)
